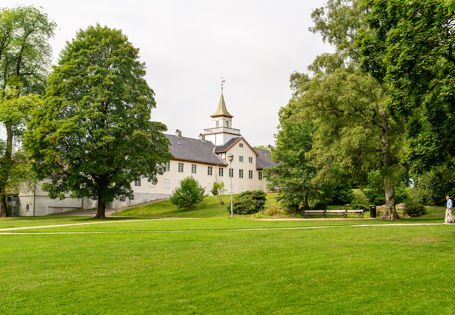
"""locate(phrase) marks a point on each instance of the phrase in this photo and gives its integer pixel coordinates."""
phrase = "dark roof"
(226, 146)
(189, 149)
(263, 159)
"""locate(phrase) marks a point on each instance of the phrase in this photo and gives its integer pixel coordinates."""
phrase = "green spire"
(221, 111)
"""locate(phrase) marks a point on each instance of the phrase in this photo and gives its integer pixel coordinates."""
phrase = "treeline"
(377, 113)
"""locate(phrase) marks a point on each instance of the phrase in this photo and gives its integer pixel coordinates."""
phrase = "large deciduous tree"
(293, 176)
(355, 131)
(410, 46)
(92, 136)
(24, 60)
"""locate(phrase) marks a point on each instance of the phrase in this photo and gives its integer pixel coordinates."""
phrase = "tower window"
(180, 168)
(240, 173)
(193, 168)
(209, 170)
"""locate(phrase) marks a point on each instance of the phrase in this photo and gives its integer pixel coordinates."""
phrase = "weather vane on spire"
(222, 84)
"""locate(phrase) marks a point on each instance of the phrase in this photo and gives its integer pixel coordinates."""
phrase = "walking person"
(449, 216)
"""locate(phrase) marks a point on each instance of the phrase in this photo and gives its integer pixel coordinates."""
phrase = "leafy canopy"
(92, 136)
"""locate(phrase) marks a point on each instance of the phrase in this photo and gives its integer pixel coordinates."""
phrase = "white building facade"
(206, 158)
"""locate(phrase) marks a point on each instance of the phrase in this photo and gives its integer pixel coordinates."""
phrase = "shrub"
(270, 211)
(189, 193)
(217, 190)
(414, 209)
(336, 193)
(360, 201)
(248, 202)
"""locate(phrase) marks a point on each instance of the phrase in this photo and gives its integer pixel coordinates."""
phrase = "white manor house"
(204, 158)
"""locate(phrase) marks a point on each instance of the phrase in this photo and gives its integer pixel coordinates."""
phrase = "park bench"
(337, 212)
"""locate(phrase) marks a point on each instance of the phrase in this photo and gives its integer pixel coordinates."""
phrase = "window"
(217, 123)
(260, 175)
(180, 167)
(227, 123)
(209, 170)
(27, 207)
(240, 173)
(250, 174)
(193, 168)
(231, 172)
(250, 159)
(220, 172)
(240, 158)
(168, 166)
(241, 145)
(137, 182)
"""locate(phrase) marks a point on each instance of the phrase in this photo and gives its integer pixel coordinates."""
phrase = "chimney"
(201, 137)
(178, 133)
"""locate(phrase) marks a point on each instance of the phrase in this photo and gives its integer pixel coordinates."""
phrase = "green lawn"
(212, 266)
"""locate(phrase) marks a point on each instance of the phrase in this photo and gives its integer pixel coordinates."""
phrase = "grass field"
(205, 263)
(217, 265)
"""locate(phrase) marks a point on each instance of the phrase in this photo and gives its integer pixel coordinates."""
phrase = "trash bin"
(372, 211)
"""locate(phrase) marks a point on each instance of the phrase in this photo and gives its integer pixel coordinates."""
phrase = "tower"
(221, 131)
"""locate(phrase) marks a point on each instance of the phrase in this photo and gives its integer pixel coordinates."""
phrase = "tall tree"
(355, 131)
(93, 136)
(410, 46)
(293, 176)
(24, 60)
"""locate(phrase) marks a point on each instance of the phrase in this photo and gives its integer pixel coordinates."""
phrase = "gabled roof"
(263, 159)
(221, 110)
(225, 147)
(189, 149)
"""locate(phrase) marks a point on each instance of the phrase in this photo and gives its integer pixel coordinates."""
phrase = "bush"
(270, 211)
(414, 209)
(217, 190)
(248, 202)
(189, 193)
(336, 193)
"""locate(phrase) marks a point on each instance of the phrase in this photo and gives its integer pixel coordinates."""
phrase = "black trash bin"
(372, 211)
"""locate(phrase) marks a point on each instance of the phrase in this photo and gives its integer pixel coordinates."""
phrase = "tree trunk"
(390, 212)
(3, 206)
(101, 211)
(5, 166)
(450, 218)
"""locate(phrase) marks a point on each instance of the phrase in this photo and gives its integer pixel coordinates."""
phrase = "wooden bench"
(337, 212)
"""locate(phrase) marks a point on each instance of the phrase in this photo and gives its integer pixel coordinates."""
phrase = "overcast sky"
(189, 45)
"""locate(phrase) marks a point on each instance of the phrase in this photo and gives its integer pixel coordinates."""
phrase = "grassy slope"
(210, 208)
(332, 270)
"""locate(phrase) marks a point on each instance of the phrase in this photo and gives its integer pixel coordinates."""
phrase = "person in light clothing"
(449, 216)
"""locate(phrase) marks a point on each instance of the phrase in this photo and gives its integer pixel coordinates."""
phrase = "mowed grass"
(190, 268)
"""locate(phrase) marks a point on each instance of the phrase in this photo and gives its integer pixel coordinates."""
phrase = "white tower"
(221, 131)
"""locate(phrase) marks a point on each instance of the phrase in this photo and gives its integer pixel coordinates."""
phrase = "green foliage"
(248, 202)
(336, 193)
(414, 209)
(24, 59)
(375, 189)
(188, 194)
(217, 190)
(293, 175)
(408, 45)
(359, 200)
(93, 135)
(431, 187)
